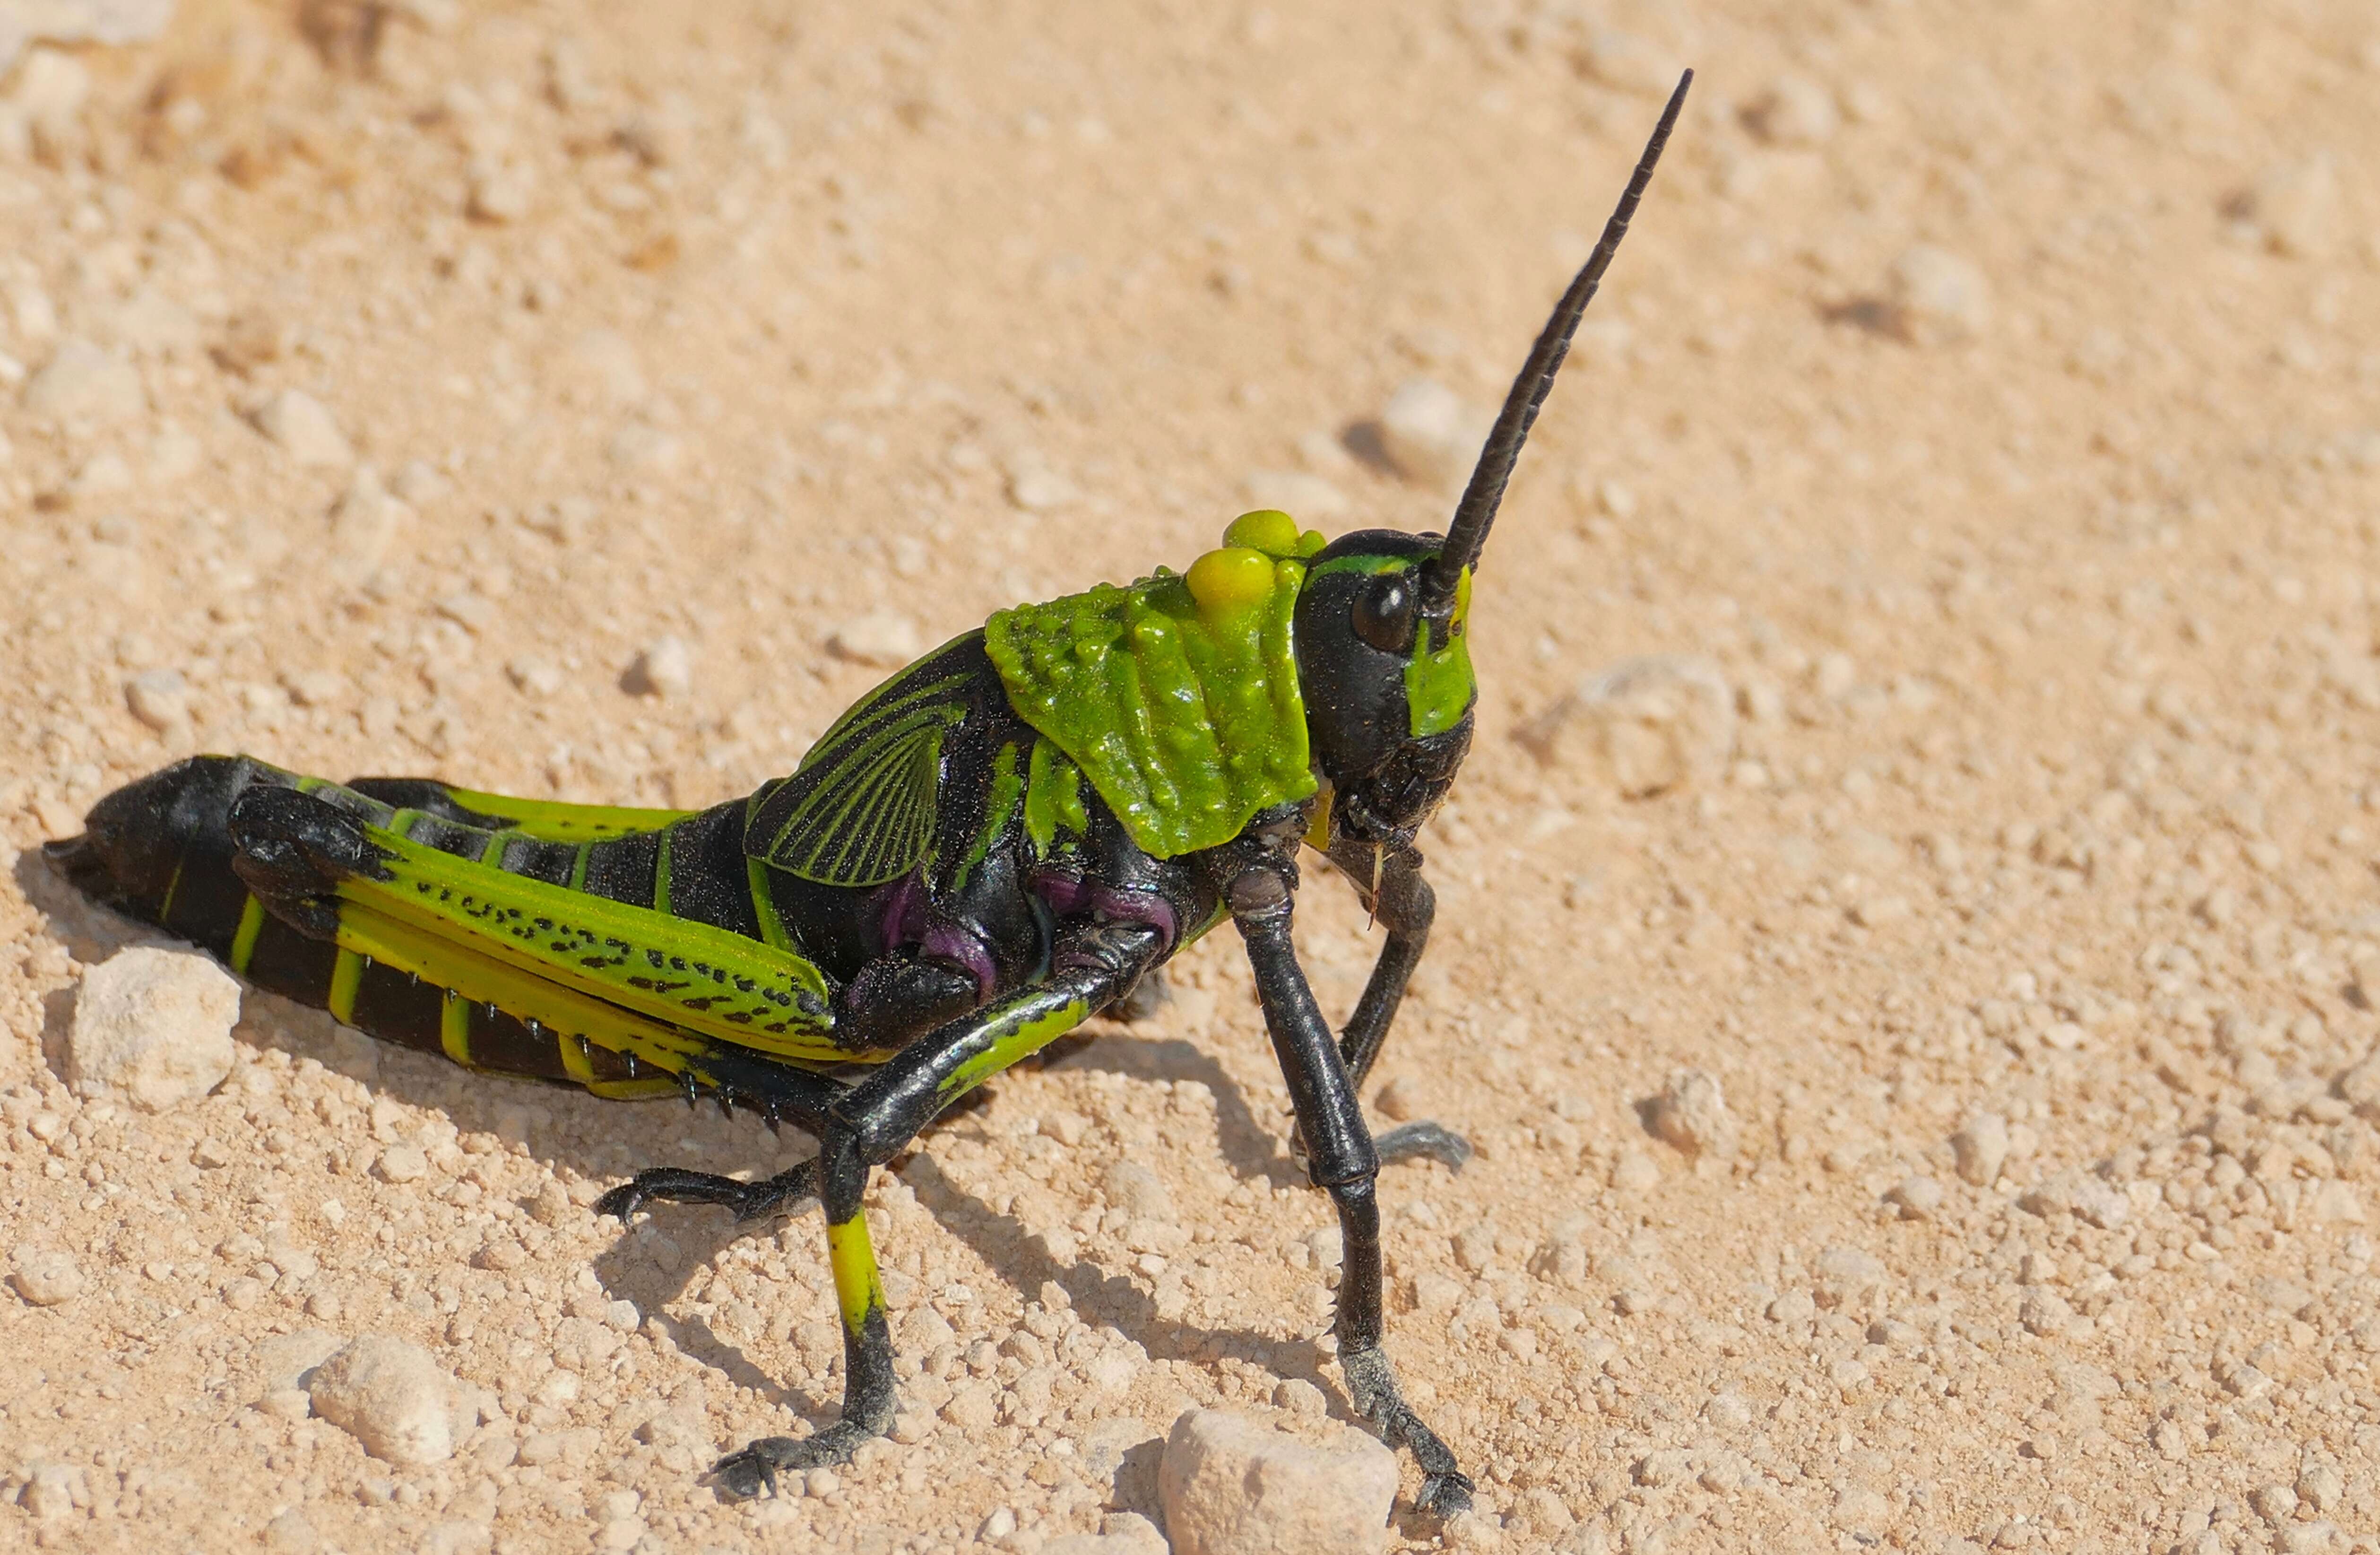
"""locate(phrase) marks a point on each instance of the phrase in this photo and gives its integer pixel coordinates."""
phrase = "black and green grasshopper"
(998, 843)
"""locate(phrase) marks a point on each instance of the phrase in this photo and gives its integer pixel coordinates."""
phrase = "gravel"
(152, 1025)
(303, 428)
(1233, 1486)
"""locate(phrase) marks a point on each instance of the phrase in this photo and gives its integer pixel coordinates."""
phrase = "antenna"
(1476, 512)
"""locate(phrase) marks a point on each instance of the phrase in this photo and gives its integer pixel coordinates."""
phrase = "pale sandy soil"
(2043, 578)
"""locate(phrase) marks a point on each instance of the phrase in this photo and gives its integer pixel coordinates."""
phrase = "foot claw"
(1447, 1495)
(742, 1475)
(1425, 1141)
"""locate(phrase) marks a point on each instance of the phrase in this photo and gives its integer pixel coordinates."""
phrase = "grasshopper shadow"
(579, 1136)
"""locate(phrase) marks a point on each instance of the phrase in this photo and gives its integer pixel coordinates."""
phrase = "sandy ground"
(1986, 396)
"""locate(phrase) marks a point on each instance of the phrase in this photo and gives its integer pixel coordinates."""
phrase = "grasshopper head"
(1388, 691)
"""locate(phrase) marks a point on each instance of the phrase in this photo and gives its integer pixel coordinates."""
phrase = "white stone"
(1691, 1114)
(1036, 488)
(1937, 297)
(303, 428)
(1847, 1276)
(500, 192)
(1233, 1486)
(160, 699)
(1981, 1148)
(45, 1277)
(2295, 206)
(1430, 434)
(640, 446)
(50, 1490)
(1792, 110)
(49, 93)
(881, 638)
(404, 1164)
(149, 323)
(1307, 496)
(152, 1025)
(1400, 1101)
(392, 1396)
(1648, 724)
(365, 522)
(1627, 63)
(664, 669)
(607, 361)
(109, 22)
(1636, 1170)
(2043, 1312)
(417, 482)
(1918, 1197)
(81, 382)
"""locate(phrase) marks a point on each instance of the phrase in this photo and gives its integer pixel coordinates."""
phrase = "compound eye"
(1385, 613)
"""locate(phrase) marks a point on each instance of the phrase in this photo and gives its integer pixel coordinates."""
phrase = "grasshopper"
(1001, 841)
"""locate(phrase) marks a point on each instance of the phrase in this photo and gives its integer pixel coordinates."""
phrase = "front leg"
(1342, 1161)
(1389, 884)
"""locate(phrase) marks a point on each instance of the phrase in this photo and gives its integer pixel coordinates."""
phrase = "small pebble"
(500, 192)
(1792, 110)
(1691, 1114)
(419, 483)
(46, 1278)
(643, 447)
(160, 699)
(1981, 1148)
(2295, 206)
(403, 1163)
(1626, 63)
(1430, 434)
(152, 1025)
(82, 383)
(392, 1396)
(1917, 1198)
(1937, 297)
(879, 639)
(664, 669)
(1233, 1486)
(1399, 1100)
(365, 523)
(1636, 1170)
(1307, 495)
(303, 428)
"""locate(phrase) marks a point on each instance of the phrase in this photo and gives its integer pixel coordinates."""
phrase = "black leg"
(867, 1126)
(1342, 1160)
(868, 1392)
(1406, 907)
(782, 1193)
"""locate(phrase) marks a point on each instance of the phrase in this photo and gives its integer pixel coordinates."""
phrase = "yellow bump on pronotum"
(1268, 529)
(1230, 579)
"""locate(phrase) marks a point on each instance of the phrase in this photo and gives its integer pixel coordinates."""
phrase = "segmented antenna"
(1468, 532)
